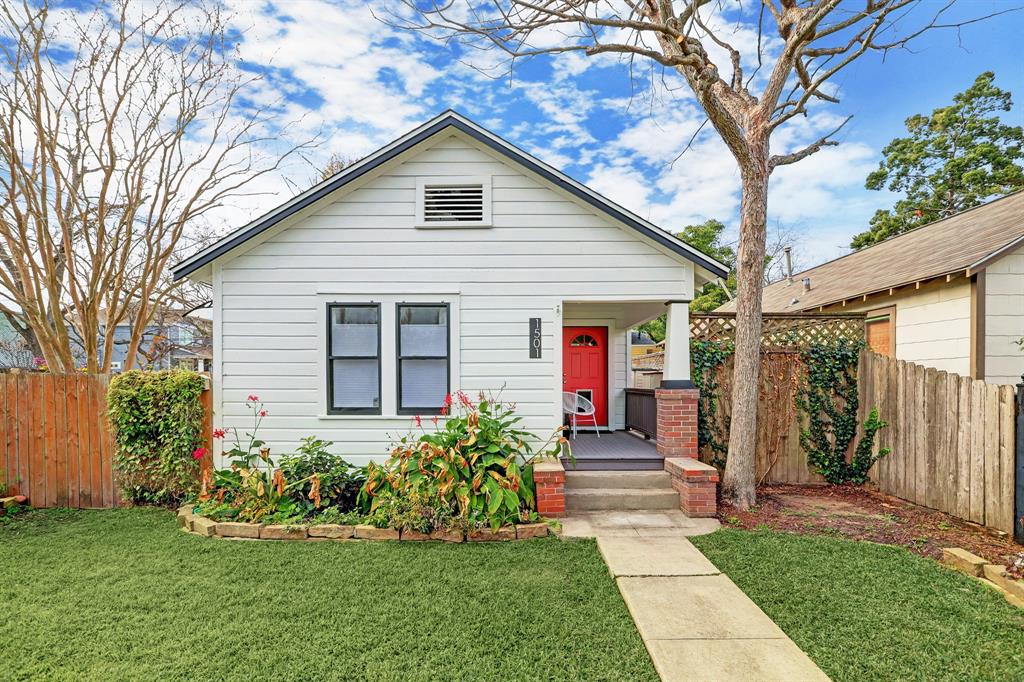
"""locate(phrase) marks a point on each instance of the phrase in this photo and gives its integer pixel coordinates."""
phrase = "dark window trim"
(398, 355)
(331, 409)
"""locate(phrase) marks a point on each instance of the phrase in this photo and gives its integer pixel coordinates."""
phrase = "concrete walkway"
(635, 524)
(697, 625)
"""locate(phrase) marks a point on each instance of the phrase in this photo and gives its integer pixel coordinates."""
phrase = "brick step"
(620, 499)
(645, 480)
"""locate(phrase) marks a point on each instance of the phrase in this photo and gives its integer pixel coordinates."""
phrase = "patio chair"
(576, 406)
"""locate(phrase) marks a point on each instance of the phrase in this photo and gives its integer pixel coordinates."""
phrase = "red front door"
(585, 366)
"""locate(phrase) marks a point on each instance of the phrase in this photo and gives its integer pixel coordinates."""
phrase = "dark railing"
(642, 411)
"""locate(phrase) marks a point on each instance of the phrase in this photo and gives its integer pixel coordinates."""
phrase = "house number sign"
(535, 338)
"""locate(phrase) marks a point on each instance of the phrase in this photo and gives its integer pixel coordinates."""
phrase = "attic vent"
(460, 203)
(453, 202)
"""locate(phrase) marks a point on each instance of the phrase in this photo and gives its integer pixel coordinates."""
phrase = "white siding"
(543, 249)
(933, 325)
(1004, 319)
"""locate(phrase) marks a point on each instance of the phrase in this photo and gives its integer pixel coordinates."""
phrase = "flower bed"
(197, 524)
(470, 478)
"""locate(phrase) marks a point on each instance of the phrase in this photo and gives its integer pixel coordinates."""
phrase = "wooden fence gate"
(55, 444)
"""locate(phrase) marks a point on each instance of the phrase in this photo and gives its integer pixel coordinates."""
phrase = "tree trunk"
(739, 479)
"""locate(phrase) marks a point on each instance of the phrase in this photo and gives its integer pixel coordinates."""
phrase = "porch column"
(676, 373)
(677, 398)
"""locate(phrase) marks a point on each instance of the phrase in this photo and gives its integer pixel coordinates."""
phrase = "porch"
(613, 451)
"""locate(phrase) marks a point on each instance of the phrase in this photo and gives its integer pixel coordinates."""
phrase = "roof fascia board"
(310, 196)
(703, 274)
(591, 197)
(411, 139)
(980, 265)
(894, 289)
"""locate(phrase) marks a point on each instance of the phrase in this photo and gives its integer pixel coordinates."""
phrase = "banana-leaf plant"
(477, 463)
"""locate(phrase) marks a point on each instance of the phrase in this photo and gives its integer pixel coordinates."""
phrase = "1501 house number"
(535, 339)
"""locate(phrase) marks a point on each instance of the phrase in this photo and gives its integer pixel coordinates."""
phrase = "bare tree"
(801, 46)
(121, 128)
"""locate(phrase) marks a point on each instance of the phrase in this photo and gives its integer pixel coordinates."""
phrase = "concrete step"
(616, 464)
(643, 480)
(619, 499)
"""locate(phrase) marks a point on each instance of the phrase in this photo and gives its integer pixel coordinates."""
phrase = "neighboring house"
(14, 351)
(948, 295)
(174, 338)
(648, 369)
(642, 344)
(448, 259)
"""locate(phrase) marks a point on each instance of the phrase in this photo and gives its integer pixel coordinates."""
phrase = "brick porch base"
(549, 479)
(697, 485)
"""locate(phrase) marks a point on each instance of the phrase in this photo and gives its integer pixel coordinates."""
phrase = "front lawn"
(870, 612)
(123, 594)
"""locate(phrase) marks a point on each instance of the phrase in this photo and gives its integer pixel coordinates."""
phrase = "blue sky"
(335, 70)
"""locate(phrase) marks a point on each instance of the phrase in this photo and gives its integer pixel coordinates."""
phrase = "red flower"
(418, 420)
(447, 400)
(464, 399)
(263, 413)
(434, 419)
(199, 453)
(218, 433)
(444, 410)
(253, 398)
(918, 213)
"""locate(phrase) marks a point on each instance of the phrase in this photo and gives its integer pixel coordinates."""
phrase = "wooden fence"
(55, 441)
(779, 457)
(952, 437)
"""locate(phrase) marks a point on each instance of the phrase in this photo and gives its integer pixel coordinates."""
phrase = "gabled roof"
(962, 244)
(449, 119)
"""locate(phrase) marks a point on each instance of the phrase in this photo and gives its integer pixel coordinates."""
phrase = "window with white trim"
(353, 358)
(453, 202)
(423, 357)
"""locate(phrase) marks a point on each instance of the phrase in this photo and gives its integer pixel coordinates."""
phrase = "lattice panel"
(781, 330)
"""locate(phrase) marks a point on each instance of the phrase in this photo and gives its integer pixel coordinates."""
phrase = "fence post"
(1018, 497)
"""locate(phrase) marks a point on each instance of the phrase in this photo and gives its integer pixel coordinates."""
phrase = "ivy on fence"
(706, 357)
(828, 397)
(157, 422)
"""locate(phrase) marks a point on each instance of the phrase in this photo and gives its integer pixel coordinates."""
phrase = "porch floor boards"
(616, 451)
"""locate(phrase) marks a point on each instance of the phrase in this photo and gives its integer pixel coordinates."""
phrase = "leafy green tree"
(961, 156)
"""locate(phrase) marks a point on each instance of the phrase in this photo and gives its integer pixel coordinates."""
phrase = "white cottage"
(448, 259)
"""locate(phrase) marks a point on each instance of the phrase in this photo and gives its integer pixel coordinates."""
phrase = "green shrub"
(339, 481)
(157, 421)
(476, 468)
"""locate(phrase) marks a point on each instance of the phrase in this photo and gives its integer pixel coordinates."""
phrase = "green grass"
(869, 612)
(124, 595)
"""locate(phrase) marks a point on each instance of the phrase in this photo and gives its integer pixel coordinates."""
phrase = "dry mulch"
(859, 514)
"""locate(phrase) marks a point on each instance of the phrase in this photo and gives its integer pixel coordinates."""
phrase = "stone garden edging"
(200, 525)
(992, 575)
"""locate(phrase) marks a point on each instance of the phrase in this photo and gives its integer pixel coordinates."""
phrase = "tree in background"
(123, 126)
(708, 237)
(800, 47)
(961, 156)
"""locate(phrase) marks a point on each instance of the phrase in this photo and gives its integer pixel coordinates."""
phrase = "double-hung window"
(353, 356)
(423, 351)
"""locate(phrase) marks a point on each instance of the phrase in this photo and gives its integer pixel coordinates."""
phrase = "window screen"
(353, 358)
(422, 357)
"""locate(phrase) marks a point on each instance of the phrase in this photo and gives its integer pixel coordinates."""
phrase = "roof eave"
(415, 137)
